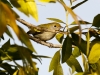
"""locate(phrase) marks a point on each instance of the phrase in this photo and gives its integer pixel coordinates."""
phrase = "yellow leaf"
(55, 61)
(2, 20)
(8, 17)
(58, 70)
(21, 72)
(47, 1)
(28, 7)
(94, 55)
(22, 6)
(60, 37)
(32, 9)
(15, 73)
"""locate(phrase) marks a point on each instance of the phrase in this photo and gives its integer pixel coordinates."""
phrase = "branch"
(29, 25)
(45, 43)
(78, 4)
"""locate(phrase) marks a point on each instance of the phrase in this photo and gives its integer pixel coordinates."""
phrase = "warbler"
(46, 35)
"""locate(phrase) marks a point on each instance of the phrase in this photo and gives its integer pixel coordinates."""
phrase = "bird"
(45, 35)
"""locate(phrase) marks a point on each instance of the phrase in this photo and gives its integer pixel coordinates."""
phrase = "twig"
(78, 4)
(45, 43)
(29, 25)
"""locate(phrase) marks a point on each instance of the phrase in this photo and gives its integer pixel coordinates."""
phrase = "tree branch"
(29, 25)
(78, 4)
(45, 43)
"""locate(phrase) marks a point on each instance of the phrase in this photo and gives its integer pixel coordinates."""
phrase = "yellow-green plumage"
(45, 35)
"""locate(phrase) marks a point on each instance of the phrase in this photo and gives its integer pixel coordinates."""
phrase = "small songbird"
(45, 35)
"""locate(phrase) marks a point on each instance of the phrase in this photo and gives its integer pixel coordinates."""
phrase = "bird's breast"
(45, 36)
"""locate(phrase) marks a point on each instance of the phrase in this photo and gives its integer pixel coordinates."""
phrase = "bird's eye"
(55, 26)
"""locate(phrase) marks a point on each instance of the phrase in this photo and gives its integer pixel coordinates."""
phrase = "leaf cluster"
(75, 46)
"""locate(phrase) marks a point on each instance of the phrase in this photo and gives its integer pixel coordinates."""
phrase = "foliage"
(73, 45)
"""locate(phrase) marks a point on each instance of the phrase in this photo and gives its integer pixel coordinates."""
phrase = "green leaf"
(94, 55)
(56, 20)
(60, 37)
(55, 60)
(24, 54)
(73, 69)
(98, 67)
(58, 70)
(88, 43)
(2, 72)
(80, 73)
(96, 21)
(93, 66)
(85, 63)
(73, 62)
(82, 45)
(72, 29)
(25, 39)
(28, 64)
(13, 52)
(8, 68)
(66, 49)
(13, 49)
(81, 22)
(6, 45)
(76, 52)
